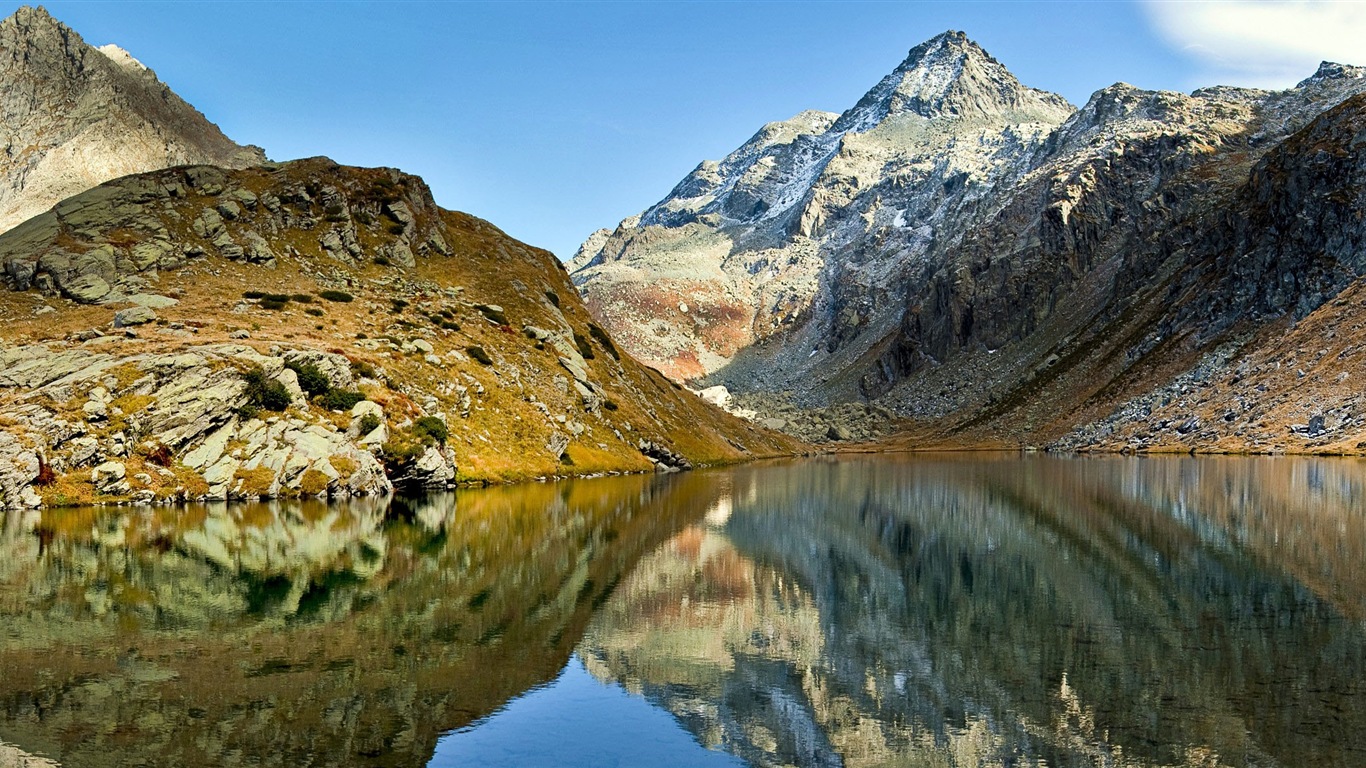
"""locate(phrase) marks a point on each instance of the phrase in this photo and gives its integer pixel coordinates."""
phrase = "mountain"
(310, 329)
(748, 248)
(986, 265)
(73, 116)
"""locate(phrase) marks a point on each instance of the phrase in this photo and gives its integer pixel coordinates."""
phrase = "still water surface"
(935, 611)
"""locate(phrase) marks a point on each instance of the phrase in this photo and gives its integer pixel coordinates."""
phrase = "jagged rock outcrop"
(1042, 264)
(309, 329)
(181, 417)
(73, 116)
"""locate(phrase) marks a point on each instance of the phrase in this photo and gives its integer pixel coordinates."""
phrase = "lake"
(947, 610)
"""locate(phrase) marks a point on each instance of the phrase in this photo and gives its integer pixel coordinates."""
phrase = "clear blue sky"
(554, 119)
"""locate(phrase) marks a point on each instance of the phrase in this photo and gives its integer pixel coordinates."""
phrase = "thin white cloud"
(1262, 43)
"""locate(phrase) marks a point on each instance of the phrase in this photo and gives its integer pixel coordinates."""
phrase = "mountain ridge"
(935, 266)
(76, 116)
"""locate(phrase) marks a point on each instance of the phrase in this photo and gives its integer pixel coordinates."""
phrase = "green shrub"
(314, 311)
(368, 423)
(280, 297)
(272, 304)
(338, 296)
(252, 294)
(363, 369)
(431, 427)
(479, 354)
(340, 399)
(302, 298)
(311, 378)
(264, 392)
(399, 451)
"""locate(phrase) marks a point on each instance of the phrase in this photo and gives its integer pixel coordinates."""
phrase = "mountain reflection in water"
(959, 611)
(1192, 612)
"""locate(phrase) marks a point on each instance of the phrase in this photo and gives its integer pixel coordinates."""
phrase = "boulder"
(109, 477)
(86, 289)
(138, 315)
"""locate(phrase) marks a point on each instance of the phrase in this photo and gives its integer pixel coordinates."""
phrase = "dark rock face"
(1183, 229)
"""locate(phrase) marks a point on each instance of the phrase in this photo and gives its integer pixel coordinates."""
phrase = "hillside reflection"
(290, 634)
(970, 612)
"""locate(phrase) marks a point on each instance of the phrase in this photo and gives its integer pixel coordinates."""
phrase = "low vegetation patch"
(264, 393)
(340, 399)
(311, 378)
(313, 483)
(344, 465)
(368, 423)
(337, 296)
(131, 403)
(405, 446)
(431, 427)
(255, 482)
(125, 375)
(70, 490)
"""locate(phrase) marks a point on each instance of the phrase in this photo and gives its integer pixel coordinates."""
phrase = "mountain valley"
(968, 262)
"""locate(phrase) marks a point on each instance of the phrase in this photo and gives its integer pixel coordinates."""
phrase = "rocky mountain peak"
(1330, 70)
(76, 116)
(31, 19)
(947, 76)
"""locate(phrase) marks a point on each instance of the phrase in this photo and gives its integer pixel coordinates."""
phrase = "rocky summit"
(310, 329)
(73, 116)
(987, 265)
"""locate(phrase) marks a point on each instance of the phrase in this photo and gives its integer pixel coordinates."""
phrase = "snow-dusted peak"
(1330, 70)
(808, 123)
(949, 76)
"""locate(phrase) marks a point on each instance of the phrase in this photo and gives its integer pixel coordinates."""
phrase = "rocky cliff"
(73, 116)
(310, 329)
(988, 265)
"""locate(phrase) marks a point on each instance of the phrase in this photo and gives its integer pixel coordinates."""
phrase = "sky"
(552, 119)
